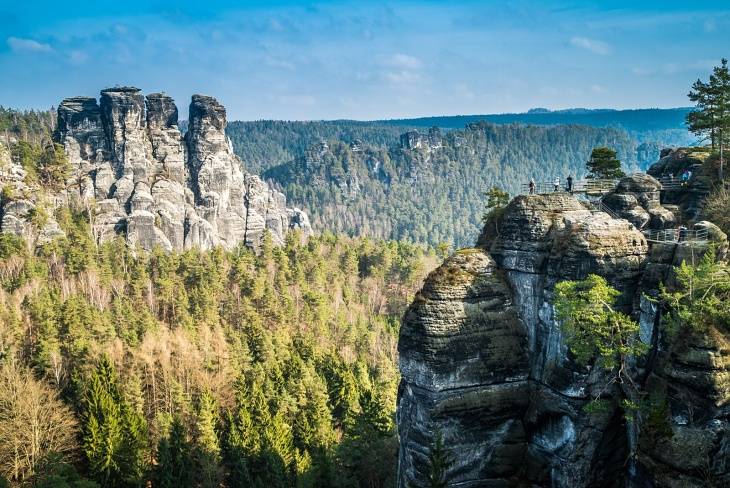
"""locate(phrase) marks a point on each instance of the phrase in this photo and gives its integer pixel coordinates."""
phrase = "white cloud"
(18, 44)
(598, 89)
(592, 45)
(403, 77)
(403, 61)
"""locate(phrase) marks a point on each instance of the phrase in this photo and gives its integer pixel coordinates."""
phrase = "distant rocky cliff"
(484, 362)
(142, 179)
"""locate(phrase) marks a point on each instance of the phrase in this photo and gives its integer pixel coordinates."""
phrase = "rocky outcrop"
(637, 199)
(21, 205)
(689, 197)
(159, 188)
(485, 364)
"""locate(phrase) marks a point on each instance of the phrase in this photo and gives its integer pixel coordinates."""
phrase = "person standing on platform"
(557, 183)
(570, 183)
(532, 186)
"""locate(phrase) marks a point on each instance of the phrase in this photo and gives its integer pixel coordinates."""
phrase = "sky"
(367, 59)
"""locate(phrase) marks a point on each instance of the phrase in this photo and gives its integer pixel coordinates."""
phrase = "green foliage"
(31, 125)
(114, 435)
(497, 199)
(603, 164)
(594, 329)
(711, 119)
(10, 245)
(56, 473)
(174, 459)
(700, 300)
(386, 191)
(280, 368)
(439, 462)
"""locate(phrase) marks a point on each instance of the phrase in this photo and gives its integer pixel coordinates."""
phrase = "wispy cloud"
(18, 44)
(403, 61)
(592, 45)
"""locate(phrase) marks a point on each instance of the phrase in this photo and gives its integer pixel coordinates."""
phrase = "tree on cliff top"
(604, 164)
(711, 119)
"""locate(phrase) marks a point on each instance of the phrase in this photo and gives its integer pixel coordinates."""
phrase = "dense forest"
(434, 193)
(28, 125)
(201, 368)
(266, 143)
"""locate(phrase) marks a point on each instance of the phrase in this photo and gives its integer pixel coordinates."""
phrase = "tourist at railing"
(532, 186)
(557, 183)
(570, 183)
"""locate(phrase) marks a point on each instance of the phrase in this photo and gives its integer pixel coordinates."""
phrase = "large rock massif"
(485, 365)
(155, 186)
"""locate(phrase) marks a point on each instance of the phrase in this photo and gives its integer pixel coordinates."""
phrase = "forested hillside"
(266, 143)
(663, 126)
(201, 368)
(28, 125)
(434, 193)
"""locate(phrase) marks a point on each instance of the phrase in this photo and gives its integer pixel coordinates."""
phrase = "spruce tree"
(439, 462)
(174, 459)
(207, 449)
(114, 435)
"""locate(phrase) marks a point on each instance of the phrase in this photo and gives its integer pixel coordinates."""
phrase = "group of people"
(556, 184)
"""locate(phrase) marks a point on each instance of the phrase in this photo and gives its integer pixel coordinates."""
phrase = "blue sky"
(365, 59)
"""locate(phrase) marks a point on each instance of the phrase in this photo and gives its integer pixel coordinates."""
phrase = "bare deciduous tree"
(34, 423)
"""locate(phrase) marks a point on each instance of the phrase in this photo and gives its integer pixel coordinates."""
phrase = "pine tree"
(712, 117)
(604, 164)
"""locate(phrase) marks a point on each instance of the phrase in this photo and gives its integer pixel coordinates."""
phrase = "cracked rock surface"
(484, 363)
(160, 188)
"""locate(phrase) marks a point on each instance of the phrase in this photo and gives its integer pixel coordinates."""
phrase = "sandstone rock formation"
(158, 188)
(637, 199)
(673, 163)
(484, 363)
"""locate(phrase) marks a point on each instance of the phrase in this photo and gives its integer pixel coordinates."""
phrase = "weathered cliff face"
(484, 363)
(159, 188)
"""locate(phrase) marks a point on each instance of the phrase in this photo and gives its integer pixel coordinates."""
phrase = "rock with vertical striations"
(158, 188)
(484, 363)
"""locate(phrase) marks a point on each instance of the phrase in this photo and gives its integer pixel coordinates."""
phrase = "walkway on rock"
(600, 186)
(587, 186)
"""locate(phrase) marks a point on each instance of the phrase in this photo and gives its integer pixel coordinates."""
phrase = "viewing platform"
(599, 186)
(587, 186)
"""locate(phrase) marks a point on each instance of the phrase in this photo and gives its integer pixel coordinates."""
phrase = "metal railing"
(676, 236)
(580, 186)
(670, 183)
(602, 207)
